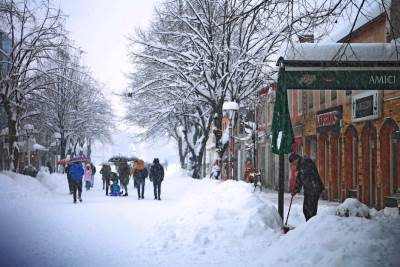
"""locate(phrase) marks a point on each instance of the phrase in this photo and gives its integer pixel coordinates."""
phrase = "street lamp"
(230, 108)
(29, 130)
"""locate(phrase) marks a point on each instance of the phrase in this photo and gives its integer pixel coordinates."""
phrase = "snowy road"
(197, 223)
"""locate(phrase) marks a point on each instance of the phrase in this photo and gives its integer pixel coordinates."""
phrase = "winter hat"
(293, 157)
(155, 161)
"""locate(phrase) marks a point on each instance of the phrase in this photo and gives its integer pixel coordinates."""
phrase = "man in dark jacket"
(106, 176)
(123, 171)
(76, 172)
(67, 170)
(93, 173)
(157, 176)
(307, 177)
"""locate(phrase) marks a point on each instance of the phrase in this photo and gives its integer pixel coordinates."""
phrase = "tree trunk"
(12, 135)
(89, 148)
(182, 154)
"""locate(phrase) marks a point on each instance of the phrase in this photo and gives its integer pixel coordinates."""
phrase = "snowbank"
(15, 185)
(352, 207)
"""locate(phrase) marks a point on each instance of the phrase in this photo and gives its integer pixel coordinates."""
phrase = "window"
(299, 102)
(322, 97)
(348, 92)
(310, 101)
(333, 95)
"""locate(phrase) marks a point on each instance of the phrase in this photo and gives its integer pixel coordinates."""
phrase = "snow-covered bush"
(30, 170)
(352, 207)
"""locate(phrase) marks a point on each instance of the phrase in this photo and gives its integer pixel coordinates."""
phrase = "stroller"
(115, 188)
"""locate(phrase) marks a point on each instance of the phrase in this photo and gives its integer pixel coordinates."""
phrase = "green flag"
(282, 131)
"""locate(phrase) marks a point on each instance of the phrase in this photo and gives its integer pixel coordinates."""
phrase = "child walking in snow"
(87, 177)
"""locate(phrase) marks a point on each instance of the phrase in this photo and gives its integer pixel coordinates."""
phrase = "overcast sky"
(100, 27)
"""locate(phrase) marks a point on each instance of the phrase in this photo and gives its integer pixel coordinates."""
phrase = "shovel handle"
(290, 205)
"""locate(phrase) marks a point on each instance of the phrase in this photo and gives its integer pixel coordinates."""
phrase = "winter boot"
(159, 198)
(80, 199)
(125, 195)
(74, 201)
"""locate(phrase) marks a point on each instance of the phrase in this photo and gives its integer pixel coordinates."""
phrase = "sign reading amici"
(328, 120)
(343, 80)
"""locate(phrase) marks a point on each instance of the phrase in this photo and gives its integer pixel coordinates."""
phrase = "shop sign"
(366, 106)
(343, 80)
(328, 120)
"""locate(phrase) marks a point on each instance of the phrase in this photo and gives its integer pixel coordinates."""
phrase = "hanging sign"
(328, 120)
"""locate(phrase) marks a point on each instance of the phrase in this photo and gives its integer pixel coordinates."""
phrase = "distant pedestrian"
(76, 173)
(165, 164)
(123, 171)
(106, 176)
(93, 173)
(307, 177)
(139, 174)
(87, 177)
(48, 165)
(156, 176)
(249, 171)
(215, 170)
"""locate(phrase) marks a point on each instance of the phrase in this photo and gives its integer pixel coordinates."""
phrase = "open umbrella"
(117, 159)
(79, 159)
(63, 162)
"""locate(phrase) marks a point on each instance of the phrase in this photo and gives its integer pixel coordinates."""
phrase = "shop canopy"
(336, 66)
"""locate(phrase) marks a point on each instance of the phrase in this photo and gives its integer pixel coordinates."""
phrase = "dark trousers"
(157, 189)
(140, 193)
(76, 186)
(106, 183)
(69, 185)
(310, 205)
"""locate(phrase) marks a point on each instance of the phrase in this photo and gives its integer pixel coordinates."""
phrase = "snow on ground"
(197, 223)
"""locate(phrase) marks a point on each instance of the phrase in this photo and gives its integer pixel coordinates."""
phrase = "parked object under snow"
(352, 207)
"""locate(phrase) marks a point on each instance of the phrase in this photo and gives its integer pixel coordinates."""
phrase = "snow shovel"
(286, 227)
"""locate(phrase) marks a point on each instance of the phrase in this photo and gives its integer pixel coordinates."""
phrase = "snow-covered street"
(197, 223)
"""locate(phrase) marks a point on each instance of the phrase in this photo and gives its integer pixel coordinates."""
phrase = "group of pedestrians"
(139, 173)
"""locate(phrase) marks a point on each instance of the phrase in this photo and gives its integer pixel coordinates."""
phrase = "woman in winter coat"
(87, 177)
(139, 174)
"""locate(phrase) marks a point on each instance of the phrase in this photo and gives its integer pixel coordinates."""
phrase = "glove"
(293, 193)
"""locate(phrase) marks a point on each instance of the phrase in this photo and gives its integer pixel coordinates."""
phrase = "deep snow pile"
(352, 207)
(197, 223)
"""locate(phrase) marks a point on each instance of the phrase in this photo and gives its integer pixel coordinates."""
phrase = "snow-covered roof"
(230, 106)
(28, 127)
(57, 135)
(371, 10)
(344, 52)
(4, 131)
(39, 147)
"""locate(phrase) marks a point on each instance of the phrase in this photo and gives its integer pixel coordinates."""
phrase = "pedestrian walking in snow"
(139, 174)
(93, 173)
(123, 172)
(156, 176)
(67, 170)
(106, 176)
(48, 165)
(249, 169)
(87, 177)
(76, 172)
(215, 170)
(307, 177)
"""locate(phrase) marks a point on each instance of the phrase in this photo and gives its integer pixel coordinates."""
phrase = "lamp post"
(29, 130)
(230, 108)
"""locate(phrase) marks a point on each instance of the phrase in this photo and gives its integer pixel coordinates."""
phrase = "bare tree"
(35, 29)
